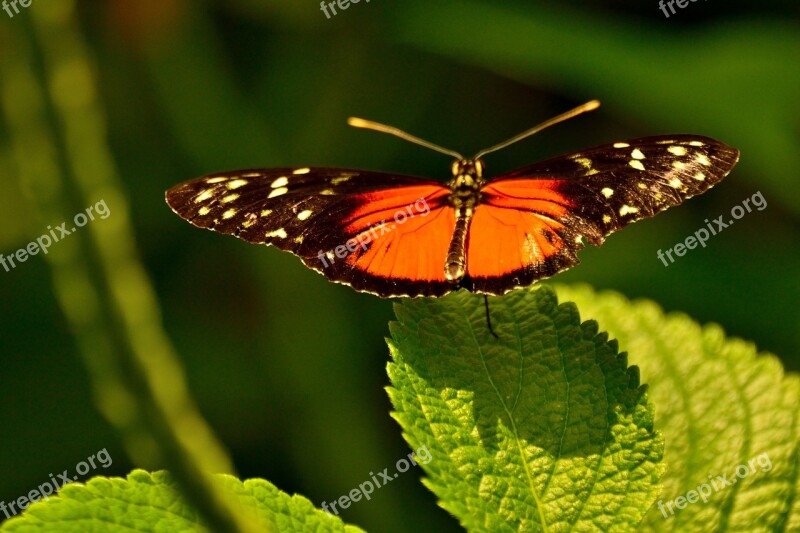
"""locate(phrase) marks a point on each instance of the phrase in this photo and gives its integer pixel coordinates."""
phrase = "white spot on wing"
(216, 180)
(703, 160)
(675, 183)
(304, 170)
(677, 150)
(203, 211)
(637, 154)
(627, 210)
(696, 143)
(280, 182)
(302, 215)
(279, 233)
(235, 184)
(341, 179)
(678, 165)
(327, 192)
(636, 164)
(584, 161)
(699, 176)
(229, 198)
(277, 192)
(621, 145)
(607, 192)
(266, 212)
(606, 219)
(229, 213)
(203, 196)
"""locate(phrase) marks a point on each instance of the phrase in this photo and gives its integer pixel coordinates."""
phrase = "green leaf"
(543, 429)
(151, 502)
(720, 405)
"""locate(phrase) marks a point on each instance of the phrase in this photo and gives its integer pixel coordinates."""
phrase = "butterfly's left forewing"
(381, 233)
(531, 222)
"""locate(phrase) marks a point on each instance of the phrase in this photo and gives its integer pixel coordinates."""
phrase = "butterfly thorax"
(466, 185)
(464, 197)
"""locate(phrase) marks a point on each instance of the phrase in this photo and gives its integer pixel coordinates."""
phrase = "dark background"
(289, 369)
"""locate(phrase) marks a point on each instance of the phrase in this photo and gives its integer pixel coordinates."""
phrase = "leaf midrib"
(534, 493)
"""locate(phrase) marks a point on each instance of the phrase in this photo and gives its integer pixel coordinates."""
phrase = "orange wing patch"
(414, 250)
(396, 243)
(518, 234)
(390, 205)
(539, 196)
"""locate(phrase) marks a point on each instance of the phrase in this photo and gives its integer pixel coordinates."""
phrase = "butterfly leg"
(488, 316)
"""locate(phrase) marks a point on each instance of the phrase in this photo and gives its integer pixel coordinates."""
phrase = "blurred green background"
(289, 369)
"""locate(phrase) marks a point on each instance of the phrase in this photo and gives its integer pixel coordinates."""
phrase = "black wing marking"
(612, 185)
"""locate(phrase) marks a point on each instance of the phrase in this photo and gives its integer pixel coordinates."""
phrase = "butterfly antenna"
(588, 106)
(368, 124)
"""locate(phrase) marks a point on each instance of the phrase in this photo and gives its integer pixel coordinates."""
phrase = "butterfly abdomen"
(456, 264)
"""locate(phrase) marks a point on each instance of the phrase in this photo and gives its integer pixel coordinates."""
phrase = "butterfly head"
(467, 174)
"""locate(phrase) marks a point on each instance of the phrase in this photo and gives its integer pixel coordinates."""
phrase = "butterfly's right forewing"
(531, 222)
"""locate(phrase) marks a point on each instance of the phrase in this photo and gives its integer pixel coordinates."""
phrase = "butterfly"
(394, 235)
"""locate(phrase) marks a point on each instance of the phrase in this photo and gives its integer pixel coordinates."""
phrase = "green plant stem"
(58, 137)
